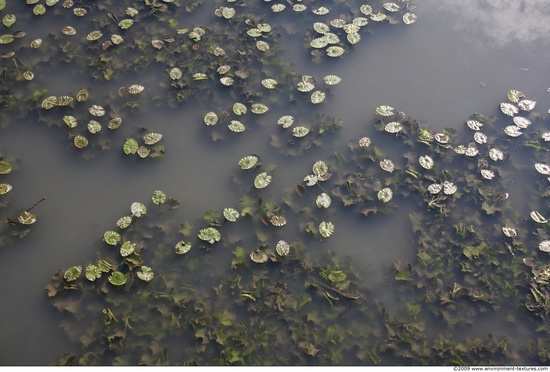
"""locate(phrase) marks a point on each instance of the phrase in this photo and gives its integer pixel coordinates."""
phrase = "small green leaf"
(112, 237)
(182, 247)
(72, 273)
(146, 274)
(117, 278)
(159, 197)
(130, 146)
(138, 209)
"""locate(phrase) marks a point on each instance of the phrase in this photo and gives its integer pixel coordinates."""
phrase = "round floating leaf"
(480, 137)
(124, 222)
(39, 9)
(542, 168)
(435, 188)
(509, 232)
(236, 126)
(158, 197)
(228, 12)
(278, 8)
(97, 110)
(259, 256)
(409, 18)
(474, 124)
(496, 154)
(442, 138)
(326, 229)
(321, 11)
(94, 126)
(210, 235)
(269, 83)
(385, 195)
(231, 214)
(152, 138)
(254, 32)
(393, 127)
(323, 200)
(521, 122)
(262, 45)
(366, 9)
(378, 16)
(28, 75)
(94, 35)
(426, 162)
(487, 174)
(70, 121)
(449, 188)
(5, 188)
(117, 278)
(277, 220)
(93, 272)
(259, 108)
(135, 89)
(248, 162)
(332, 79)
(335, 51)
(264, 27)
(125, 24)
(239, 108)
(282, 248)
(6, 38)
(526, 105)
(72, 273)
(79, 12)
(111, 237)
(360, 21)
(391, 7)
(5, 167)
(364, 142)
(537, 217)
(300, 131)
(338, 23)
(545, 246)
(387, 165)
(9, 19)
(175, 73)
(227, 81)
(116, 39)
(513, 131)
(27, 218)
(182, 247)
(320, 168)
(262, 180)
(114, 123)
(146, 274)
(130, 146)
(321, 28)
(319, 42)
(317, 97)
(36, 43)
(508, 109)
(127, 248)
(80, 141)
(515, 95)
(138, 209)
(353, 37)
(143, 151)
(210, 118)
(384, 110)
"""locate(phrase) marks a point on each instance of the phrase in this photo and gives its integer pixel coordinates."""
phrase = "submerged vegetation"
(164, 291)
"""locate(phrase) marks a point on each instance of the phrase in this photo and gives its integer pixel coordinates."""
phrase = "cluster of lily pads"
(258, 292)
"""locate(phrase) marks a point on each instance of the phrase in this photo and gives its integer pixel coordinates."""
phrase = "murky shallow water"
(454, 61)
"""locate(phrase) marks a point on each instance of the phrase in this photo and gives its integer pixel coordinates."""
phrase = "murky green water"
(437, 286)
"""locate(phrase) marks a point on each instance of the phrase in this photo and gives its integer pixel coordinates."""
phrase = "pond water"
(438, 285)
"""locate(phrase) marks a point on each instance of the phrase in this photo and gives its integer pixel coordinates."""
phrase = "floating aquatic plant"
(326, 229)
(183, 247)
(210, 235)
(262, 180)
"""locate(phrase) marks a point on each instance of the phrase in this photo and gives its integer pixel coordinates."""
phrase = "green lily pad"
(385, 195)
(175, 73)
(210, 118)
(94, 126)
(409, 18)
(239, 108)
(130, 146)
(138, 209)
(146, 274)
(326, 229)
(126, 24)
(248, 162)
(152, 138)
(259, 108)
(384, 110)
(236, 126)
(158, 197)
(93, 272)
(5, 167)
(94, 35)
(6, 38)
(70, 121)
(335, 51)
(231, 214)
(112, 237)
(282, 248)
(9, 19)
(259, 256)
(72, 273)
(210, 235)
(262, 180)
(80, 141)
(269, 83)
(332, 79)
(323, 200)
(27, 218)
(114, 123)
(182, 247)
(143, 151)
(124, 222)
(5, 188)
(117, 278)
(317, 97)
(300, 131)
(285, 121)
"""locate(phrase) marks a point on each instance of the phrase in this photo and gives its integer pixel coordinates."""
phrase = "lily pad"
(112, 237)
(231, 214)
(300, 131)
(130, 146)
(269, 83)
(175, 73)
(182, 247)
(239, 108)
(117, 278)
(248, 162)
(544, 246)
(332, 79)
(409, 18)
(286, 121)
(317, 97)
(323, 200)
(124, 222)
(93, 272)
(326, 229)
(211, 118)
(508, 109)
(146, 274)
(72, 273)
(236, 126)
(158, 197)
(384, 110)
(127, 248)
(80, 141)
(537, 217)
(282, 248)
(5, 188)
(426, 162)
(210, 235)
(152, 138)
(385, 195)
(259, 256)
(259, 108)
(335, 51)
(262, 180)
(138, 209)
(26, 218)
(5, 167)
